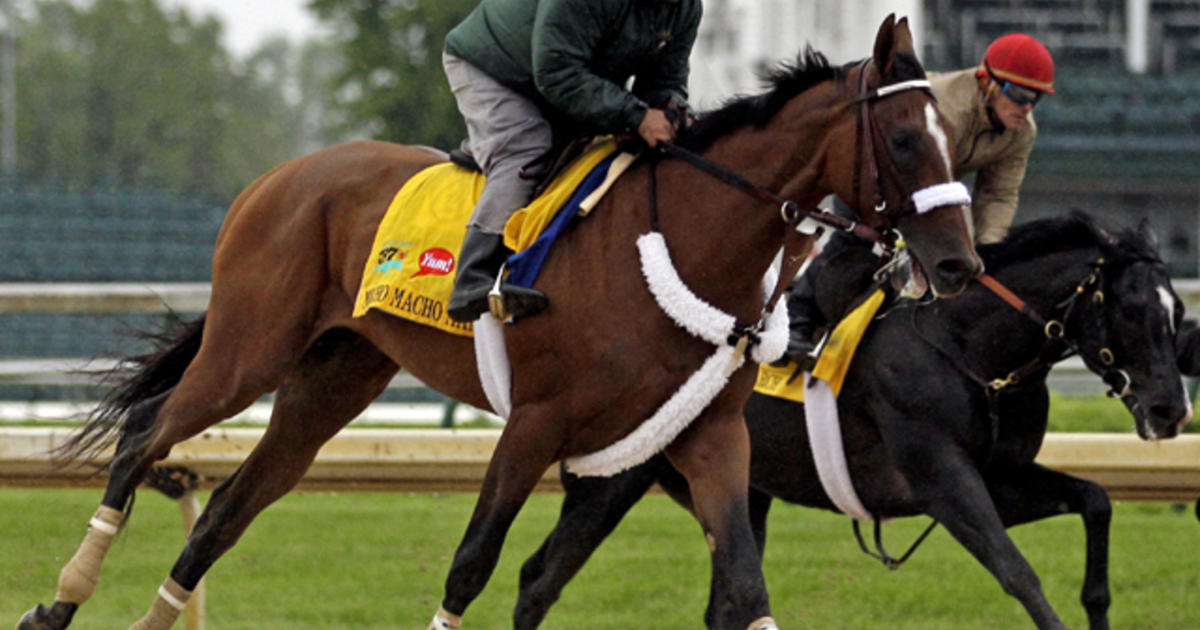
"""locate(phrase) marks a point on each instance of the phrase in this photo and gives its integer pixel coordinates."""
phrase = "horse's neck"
(719, 233)
(999, 337)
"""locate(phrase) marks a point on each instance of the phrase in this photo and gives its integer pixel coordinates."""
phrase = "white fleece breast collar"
(692, 314)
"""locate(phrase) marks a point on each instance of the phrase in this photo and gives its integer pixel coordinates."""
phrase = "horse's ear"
(1147, 232)
(885, 41)
(903, 36)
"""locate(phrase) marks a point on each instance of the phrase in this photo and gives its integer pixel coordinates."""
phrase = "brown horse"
(586, 371)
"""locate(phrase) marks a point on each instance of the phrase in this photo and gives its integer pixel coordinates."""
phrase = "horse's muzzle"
(951, 275)
(1159, 421)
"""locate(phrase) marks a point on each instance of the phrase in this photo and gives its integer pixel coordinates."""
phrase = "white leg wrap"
(445, 621)
(77, 580)
(171, 600)
(765, 623)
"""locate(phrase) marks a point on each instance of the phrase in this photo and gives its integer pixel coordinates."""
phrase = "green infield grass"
(361, 561)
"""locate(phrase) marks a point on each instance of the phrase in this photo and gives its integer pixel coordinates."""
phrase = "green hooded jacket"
(576, 56)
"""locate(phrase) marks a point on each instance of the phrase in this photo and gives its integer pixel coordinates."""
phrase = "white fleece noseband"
(948, 194)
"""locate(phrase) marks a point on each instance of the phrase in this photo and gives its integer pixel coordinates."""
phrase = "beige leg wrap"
(78, 578)
(445, 621)
(764, 623)
(171, 601)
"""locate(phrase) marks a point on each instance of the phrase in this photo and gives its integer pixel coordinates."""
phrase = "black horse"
(943, 410)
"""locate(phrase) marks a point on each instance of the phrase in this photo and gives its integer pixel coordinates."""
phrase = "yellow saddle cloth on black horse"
(834, 362)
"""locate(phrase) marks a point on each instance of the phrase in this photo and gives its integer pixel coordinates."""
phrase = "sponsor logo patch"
(391, 256)
(435, 261)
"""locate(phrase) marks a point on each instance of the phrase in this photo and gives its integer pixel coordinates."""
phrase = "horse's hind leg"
(161, 388)
(78, 578)
(140, 446)
(222, 378)
(714, 457)
(591, 509)
(1033, 492)
(336, 379)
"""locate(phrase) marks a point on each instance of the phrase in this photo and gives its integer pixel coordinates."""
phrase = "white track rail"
(455, 460)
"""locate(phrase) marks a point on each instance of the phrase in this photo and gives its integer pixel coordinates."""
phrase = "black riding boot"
(479, 263)
(806, 323)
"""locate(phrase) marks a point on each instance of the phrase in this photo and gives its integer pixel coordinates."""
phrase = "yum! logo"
(435, 261)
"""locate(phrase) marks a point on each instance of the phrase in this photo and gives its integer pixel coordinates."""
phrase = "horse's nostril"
(954, 268)
(1172, 413)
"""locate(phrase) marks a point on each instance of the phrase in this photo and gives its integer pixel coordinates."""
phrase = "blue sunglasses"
(1020, 94)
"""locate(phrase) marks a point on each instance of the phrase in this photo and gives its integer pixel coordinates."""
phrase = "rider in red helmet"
(989, 109)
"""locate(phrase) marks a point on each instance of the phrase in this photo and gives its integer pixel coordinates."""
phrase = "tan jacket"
(996, 156)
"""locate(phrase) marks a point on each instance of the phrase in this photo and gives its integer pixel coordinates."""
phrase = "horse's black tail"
(134, 380)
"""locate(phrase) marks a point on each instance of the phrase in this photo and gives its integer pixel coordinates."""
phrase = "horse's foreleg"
(1034, 492)
(526, 449)
(336, 379)
(591, 510)
(960, 501)
(760, 507)
(714, 456)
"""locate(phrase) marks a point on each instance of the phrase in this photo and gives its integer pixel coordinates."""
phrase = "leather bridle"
(867, 158)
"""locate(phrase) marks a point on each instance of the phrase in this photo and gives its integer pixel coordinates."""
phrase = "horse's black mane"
(784, 83)
(1076, 230)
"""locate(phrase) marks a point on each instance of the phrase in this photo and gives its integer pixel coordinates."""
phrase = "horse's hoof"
(764, 623)
(445, 621)
(31, 619)
(56, 617)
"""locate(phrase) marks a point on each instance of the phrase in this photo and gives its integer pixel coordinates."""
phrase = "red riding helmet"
(1021, 59)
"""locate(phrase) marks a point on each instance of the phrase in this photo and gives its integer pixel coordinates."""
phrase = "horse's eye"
(904, 141)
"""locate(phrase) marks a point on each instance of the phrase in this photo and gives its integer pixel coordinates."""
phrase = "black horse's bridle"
(1117, 379)
(1058, 345)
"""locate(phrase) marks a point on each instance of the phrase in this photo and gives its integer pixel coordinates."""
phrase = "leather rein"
(1117, 380)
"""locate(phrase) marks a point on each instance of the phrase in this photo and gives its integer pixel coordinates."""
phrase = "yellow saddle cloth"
(834, 361)
(412, 267)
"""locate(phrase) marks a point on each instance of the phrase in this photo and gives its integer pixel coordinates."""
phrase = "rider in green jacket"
(525, 72)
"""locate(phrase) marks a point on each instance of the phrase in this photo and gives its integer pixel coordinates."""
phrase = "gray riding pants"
(505, 132)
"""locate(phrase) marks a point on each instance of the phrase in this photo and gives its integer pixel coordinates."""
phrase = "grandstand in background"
(1120, 139)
